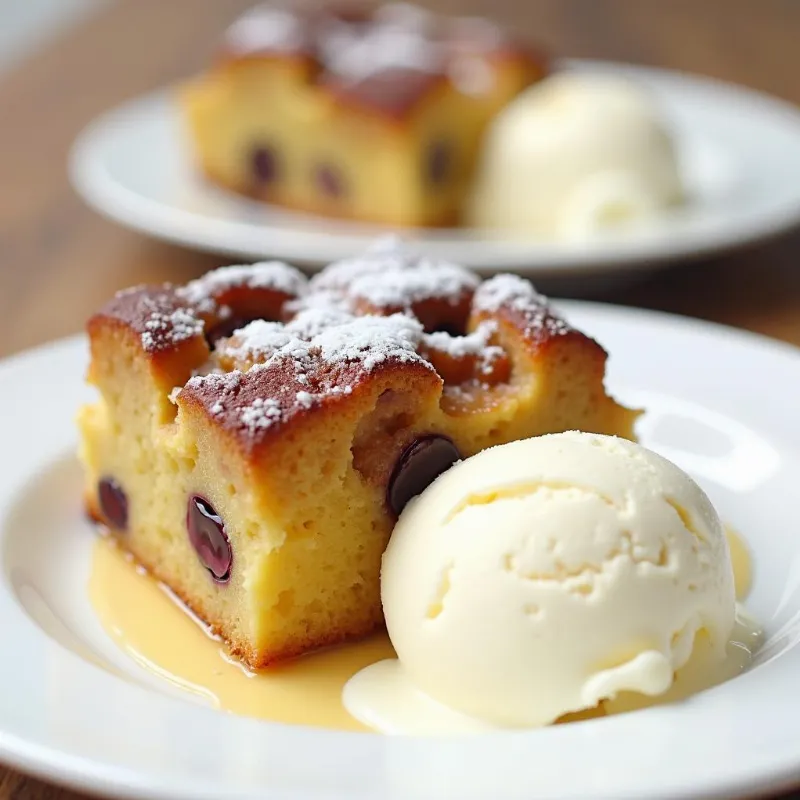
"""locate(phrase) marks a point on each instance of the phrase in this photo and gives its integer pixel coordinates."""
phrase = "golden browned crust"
(324, 357)
(225, 401)
(154, 312)
(164, 316)
(318, 40)
(515, 303)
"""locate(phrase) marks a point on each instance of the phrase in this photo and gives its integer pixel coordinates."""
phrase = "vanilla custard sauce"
(742, 563)
(159, 633)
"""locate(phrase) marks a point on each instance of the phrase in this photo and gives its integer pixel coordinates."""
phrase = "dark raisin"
(209, 538)
(226, 328)
(438, 162)
(450, 328)
(419, 465)
(265, 164)
(113, 504)
(329, 181)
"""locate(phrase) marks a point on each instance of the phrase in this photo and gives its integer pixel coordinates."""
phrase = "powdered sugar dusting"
(368, 341)
(258, 338)
(164, 325)
(274, 275)
(322, 299)
(313, 321)
(397, 37)
(352, 51)
(386, 254)
(401, 288)
(476, 345)
(371, 341)
(472, 345)
(305, 367)
(506, 290)
(328, 348)
(358, 53)
(392, 276)
(304, 399)
(517, 294)
(267, 28)
(223, 383)
(261, 413)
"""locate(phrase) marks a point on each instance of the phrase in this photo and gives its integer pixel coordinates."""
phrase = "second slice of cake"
(321, 109)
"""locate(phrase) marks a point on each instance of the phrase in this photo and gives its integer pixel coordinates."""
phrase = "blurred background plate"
(739, 153)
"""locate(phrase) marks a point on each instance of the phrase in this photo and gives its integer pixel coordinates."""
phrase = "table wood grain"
(59, 260)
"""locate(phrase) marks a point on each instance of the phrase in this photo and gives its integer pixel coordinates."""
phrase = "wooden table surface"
(59, 260)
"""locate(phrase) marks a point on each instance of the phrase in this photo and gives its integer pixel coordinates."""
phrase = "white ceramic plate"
(739, 153)
(723, 404)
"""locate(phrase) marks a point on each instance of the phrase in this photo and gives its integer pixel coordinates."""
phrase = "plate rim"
(124, 206)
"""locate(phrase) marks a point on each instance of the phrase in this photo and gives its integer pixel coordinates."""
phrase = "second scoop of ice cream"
(575, 155)
(544, 576)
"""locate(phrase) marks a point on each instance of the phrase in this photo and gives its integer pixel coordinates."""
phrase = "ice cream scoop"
(575, 154)
(542, 577)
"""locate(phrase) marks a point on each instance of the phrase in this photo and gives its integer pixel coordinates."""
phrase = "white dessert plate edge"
(739, 149)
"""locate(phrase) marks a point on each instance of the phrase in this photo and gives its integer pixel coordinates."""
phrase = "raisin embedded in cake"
(321, 108)
(257, 434)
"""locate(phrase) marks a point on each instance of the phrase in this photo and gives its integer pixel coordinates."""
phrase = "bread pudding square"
(257, 433)
(367, 114)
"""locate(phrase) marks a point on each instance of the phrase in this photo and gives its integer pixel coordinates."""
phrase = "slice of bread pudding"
(257, 434)
(321, 108)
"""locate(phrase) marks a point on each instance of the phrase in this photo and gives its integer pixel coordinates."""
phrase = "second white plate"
(739, 153)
